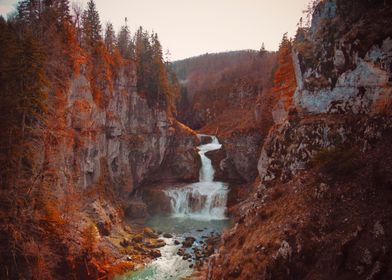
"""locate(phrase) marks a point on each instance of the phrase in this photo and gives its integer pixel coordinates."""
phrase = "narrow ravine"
(198, 216)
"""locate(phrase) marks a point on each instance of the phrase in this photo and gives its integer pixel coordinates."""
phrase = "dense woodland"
(43, 45)
(216, 81)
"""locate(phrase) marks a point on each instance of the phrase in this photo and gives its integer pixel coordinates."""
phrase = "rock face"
(362, 90)
(131, 139)
(290, 147)
(325, 167)
(241, 155)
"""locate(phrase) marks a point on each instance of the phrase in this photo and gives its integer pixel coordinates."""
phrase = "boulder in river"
(155, 253)
(188, 242)
(138, 239)
(181, 252)
(150, 233)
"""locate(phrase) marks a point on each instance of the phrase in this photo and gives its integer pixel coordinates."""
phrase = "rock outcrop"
(325, 165)
(99, 154)
(132, 138)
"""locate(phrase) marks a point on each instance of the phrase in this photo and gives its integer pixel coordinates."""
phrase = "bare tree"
(77, 12)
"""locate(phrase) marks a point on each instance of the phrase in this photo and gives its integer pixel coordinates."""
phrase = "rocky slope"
(95, 155)
(322, 209)
(222, 98)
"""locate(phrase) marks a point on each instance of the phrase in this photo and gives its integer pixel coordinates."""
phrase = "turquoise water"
(170, 266)
(198, 210)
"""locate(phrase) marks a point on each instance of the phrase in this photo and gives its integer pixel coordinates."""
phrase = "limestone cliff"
(131, 137)
(95, 157)
(324, 196)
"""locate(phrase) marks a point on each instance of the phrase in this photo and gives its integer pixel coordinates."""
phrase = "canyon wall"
(322, 209)
(97, 153)
(126, 141)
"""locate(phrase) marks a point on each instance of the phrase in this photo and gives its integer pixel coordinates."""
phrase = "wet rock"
(155, 253)
(198, 255)
(167, 235)
(150, 233)
(158, 244)
(217, 158)
(181, 252)
(139, 248)
(138, 239)
(213, 240)
(176, 242)
(188, 242)
(209, 250)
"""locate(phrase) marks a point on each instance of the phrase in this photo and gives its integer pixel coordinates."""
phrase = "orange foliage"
(100, 74)
(74, 51)
(82, 105)
(284, 79)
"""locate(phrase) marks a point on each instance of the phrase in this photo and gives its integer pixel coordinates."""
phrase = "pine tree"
(159, 79)
(30, 83)
(91, 26)
(143, 57)
(110, 37)
(262, 49)
(22, 93)
(58, 9)
(124, 42)
(29, 11)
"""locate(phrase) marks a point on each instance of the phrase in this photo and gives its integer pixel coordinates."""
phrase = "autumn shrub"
(336, 162)
(90, 237)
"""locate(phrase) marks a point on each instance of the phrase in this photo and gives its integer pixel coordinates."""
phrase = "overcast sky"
(192, 27)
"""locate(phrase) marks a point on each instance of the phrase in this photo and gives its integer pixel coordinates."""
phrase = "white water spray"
(203, 200)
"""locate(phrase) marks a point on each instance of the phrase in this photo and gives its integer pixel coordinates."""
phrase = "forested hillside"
(212, 82)
(86, 114)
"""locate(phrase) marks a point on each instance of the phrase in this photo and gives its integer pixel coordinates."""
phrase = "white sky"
(192, 27)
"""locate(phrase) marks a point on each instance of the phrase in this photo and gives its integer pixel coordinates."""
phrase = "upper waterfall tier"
(207, 171)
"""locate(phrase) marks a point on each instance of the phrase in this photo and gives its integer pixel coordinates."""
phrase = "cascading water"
(198, 210)
(203, 200)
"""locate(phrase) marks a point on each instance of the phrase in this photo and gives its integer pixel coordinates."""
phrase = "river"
(198, 210)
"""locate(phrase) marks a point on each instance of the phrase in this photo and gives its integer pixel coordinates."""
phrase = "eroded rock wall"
(324, 196)
(131, 138)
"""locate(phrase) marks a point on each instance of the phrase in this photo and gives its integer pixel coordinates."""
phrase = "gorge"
(118, 164)
(198, 214)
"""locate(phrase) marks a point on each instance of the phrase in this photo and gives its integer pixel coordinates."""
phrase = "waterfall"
(207, 171)
(205, 199)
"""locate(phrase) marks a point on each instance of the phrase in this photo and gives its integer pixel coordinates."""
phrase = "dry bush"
(337, 162)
